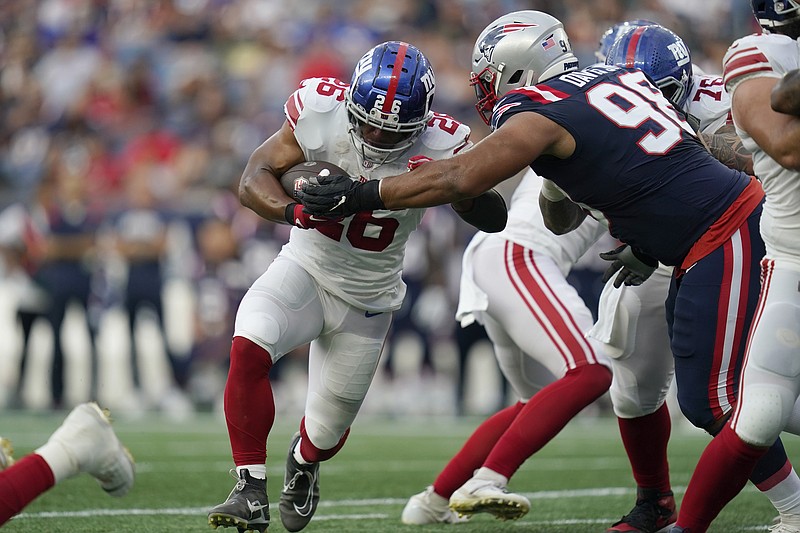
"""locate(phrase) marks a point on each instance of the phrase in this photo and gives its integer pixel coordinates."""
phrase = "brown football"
(292, 179)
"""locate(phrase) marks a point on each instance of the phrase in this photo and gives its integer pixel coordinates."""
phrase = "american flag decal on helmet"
(549, 43)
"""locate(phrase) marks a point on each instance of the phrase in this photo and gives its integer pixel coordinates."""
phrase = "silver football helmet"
(519, 49)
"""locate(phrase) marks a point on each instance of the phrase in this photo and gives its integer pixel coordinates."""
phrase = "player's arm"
(487, 212)
(785, 96)
(778, 134)
(727, 147)
(497, 157)
(259, 188)
(559, 213)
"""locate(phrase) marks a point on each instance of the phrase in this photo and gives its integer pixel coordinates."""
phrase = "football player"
(336, 282)
(633, 321)
(608, 140)
(769, 388)
(610, 35)
(514, 283)
(85, 442)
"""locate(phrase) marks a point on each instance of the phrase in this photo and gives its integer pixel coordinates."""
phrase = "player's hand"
(631, 266)
(296, 216)
(339, 196)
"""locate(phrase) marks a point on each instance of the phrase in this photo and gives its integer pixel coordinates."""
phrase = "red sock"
(21, 483)
(645, 439)
(720, 474)
(313, 454)
(249, 405)
(545, 415)
(474, 452)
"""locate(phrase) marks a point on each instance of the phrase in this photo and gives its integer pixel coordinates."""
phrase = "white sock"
(62, 464)
(785, 496)
(297, 455)
(490, 475)
(256, 471)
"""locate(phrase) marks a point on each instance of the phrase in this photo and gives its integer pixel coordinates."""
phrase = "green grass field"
(579, 483)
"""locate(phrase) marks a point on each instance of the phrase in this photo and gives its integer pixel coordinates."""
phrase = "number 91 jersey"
(359, 259)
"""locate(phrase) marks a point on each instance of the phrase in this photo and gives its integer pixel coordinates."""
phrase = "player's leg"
(768, 394)
(633, 325)
(280, 311)
(85, 442)
(709, 354)
(342, 364)
(547, 319)
(527, 376)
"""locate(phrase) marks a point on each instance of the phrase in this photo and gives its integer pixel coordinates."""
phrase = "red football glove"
(295, 216)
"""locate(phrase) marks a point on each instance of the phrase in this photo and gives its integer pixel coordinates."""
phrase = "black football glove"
(634, 266)
(339, 196)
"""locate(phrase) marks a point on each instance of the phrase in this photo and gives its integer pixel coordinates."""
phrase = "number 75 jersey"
(636, 159)
(359, 259)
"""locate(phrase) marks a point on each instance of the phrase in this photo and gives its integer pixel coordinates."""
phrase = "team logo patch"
(486, 46)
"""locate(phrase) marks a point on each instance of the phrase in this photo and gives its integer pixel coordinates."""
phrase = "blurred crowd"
(126, 125)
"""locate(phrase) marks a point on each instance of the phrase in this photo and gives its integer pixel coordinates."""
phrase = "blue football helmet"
(772, 14)
(661, 55)
(391, 90)
(611, 34)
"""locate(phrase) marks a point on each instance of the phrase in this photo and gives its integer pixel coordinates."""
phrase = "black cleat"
(654, 512)
(247, 506)
(300, 494)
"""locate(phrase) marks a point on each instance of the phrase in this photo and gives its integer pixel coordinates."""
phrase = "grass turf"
(579, 483)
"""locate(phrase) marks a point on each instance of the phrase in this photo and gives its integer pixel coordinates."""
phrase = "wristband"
(288, 213)
(551, 192)
(369, 196)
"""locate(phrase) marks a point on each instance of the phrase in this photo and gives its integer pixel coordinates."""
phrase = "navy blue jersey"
(636, 159)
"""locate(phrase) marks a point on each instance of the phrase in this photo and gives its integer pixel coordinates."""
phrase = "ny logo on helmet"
(679, 52)
(486, 46)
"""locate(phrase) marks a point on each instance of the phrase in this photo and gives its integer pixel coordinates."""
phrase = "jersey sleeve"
(320, 95)
(445, 136)
(709, 103)
(306, 109)
(761, 55)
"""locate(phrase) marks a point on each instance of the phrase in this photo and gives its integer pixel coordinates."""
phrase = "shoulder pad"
(320, 95)
(759, 55)
(445, 134)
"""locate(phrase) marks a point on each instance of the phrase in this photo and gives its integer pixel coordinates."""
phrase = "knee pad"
(765, 409)
(326, 421)
(629, 398)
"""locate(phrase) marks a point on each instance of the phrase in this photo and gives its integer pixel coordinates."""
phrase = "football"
(293, 178)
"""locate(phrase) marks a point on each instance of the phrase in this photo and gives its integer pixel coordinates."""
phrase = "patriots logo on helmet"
(487, 44)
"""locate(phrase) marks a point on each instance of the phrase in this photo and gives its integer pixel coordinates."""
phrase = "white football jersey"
(360, 260)
(709, 104)
(769, 55)
(526, 227)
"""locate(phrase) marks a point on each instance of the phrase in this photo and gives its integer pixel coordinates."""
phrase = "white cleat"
(6, 453)
(427, 507)
(93, 447)
(486, 496)
(785, 524)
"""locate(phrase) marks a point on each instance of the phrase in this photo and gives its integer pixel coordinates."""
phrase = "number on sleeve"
(445, 123)
(332, 86)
